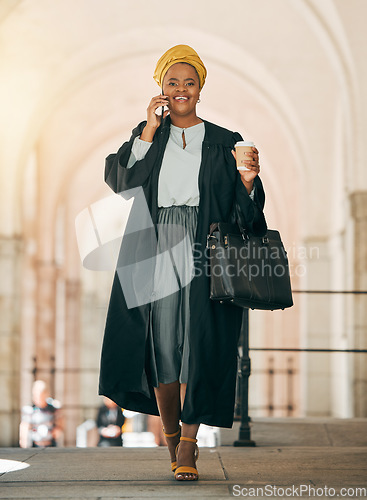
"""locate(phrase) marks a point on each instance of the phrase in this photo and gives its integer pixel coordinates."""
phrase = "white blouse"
(178, 182)
(178, 178)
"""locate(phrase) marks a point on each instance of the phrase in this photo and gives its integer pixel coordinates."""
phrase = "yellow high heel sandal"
(184, 469)
(174, 463)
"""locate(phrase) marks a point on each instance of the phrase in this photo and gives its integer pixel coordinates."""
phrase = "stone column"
(28, 321)
(10, 272)
(359, 370)
(340, 362)
(315, 367)
(45, 322)
(29, 288)
(71, 397)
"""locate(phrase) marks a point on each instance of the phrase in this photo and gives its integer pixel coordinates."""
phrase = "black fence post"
(244, 438)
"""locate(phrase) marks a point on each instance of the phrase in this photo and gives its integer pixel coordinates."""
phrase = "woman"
(176, 354)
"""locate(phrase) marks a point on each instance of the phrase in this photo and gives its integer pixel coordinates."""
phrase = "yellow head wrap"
(179, 54)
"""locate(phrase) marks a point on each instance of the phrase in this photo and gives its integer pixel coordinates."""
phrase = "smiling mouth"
(180, 98)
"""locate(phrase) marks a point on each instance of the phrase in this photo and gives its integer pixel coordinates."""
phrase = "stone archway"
(76, 101)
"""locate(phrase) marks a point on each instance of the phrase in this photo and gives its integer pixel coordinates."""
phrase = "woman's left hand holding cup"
(251, 162)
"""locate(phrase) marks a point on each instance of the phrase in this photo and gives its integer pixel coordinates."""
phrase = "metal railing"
(244, 370)
(272, 373)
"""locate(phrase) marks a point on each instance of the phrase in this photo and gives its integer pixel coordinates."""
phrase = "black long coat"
(214, 327)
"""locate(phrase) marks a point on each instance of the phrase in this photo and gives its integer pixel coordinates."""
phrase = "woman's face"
(181, 85)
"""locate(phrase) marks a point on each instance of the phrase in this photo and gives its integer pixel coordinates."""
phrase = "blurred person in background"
(110, 420)
(41, 423)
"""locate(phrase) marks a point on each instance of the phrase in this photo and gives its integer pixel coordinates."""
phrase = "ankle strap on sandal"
(172, 435)
(190, 440)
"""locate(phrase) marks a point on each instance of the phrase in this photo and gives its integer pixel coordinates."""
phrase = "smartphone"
(162, 108)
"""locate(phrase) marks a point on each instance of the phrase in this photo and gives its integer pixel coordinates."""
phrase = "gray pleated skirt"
(170, 314)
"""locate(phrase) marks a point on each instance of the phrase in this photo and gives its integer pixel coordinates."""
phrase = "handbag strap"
(239, 221)
(244, 232)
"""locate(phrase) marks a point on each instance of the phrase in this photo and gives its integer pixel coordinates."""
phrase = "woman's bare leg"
(169, 398)
(169, 405)
(186, 449)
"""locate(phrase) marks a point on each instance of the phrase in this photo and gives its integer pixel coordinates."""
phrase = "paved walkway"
(310, 454)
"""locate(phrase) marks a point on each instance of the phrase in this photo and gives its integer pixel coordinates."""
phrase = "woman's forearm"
(248, 185)
(148, 133)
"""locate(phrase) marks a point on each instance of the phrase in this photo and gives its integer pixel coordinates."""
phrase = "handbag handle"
(239, 222)
(241, 226)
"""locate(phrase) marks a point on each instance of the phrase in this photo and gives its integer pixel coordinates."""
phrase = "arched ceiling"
(79, 78)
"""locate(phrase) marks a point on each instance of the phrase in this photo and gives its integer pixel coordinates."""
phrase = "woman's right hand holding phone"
(153, 120)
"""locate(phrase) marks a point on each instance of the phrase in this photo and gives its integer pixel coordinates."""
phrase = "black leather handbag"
(248, 271)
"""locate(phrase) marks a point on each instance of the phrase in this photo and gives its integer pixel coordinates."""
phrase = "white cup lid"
(245, 143)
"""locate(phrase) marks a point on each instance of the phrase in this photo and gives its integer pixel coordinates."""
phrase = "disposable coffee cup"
(243, 147)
